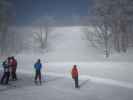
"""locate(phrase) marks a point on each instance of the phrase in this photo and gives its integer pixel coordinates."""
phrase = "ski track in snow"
(92, 79)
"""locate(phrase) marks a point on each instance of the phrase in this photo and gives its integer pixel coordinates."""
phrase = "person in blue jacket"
(38, 67)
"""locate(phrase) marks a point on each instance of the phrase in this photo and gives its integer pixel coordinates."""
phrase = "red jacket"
(74, 72)
(14, 65)
(14, 62)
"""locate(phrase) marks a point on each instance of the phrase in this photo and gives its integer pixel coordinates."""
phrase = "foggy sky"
(29, 10)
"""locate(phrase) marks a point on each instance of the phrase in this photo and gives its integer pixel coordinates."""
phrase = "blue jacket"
(38, 66)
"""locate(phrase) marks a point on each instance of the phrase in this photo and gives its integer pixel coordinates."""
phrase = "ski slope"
(70, 47)
(99, 78)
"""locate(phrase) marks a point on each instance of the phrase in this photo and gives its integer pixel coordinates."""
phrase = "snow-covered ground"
(61, 88)
(100, 78)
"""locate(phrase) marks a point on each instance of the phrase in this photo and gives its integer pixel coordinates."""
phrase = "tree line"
(10, 39)
(112, 22)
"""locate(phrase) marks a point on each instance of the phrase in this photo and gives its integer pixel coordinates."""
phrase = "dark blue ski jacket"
(38, 66)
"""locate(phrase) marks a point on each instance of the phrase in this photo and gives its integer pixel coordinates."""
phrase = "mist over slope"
(69, 44)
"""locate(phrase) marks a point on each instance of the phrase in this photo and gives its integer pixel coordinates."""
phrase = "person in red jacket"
(75, 75)
(13, 68)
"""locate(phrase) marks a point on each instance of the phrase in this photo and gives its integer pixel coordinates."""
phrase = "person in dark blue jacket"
(38, 67)
(6, 74)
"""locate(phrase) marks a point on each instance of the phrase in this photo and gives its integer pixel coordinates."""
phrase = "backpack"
(5, 66)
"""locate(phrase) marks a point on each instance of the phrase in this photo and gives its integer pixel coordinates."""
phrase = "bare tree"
(99, 36)
(100, 22)
(111, 20)
(122, 20)
(45, 28)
